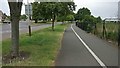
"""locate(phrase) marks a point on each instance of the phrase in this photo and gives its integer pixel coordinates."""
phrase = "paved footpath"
(82, 49)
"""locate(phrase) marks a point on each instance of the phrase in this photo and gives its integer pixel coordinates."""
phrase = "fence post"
(118, 33)
(29, 30)
(95, 28)
(103, 28)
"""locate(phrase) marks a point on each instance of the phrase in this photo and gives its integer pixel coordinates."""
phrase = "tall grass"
(111, 30)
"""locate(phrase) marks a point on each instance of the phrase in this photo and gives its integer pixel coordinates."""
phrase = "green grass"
(43, 47)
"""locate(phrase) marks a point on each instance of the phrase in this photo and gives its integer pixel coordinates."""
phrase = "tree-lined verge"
(38, 50)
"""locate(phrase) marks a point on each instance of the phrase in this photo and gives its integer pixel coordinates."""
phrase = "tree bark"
(15, 11)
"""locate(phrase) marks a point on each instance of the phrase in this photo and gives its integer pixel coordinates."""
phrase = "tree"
(82, 13)
(23, 17)
(67, 11)
(50, 10)
(15, 11)
(36, 13)
(99, 20)
(70, 17)
(88, 23)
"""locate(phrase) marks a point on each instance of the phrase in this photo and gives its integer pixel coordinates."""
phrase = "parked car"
(6, 21)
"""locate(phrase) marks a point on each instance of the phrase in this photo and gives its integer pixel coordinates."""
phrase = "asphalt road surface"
(82, 49)
(5, 29)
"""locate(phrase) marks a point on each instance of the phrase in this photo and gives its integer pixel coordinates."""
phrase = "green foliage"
(47, 10)
(23, 17)
(112, 36)
(50, 10)
(70, 18)
(98, 19)
(36, 14)
(81, 13)
(87, 21)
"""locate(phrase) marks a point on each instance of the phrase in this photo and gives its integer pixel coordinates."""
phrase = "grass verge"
(43, 47)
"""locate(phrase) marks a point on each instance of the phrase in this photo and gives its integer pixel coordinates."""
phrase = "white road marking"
(93, 54)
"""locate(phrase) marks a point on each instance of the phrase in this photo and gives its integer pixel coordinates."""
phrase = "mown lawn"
(43, 47)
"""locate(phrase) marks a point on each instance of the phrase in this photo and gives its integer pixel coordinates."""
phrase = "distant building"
(115, 19)
(112, 19)
(1, 16)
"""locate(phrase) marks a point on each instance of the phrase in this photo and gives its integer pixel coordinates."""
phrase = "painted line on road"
(93, 54)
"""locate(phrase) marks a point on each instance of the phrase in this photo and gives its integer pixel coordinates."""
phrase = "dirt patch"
(7, 59)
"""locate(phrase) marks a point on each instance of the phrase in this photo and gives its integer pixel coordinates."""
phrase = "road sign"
(28, 9)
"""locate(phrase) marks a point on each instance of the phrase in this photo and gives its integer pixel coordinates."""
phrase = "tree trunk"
(53, 22)
(15, 11)
(15, 37)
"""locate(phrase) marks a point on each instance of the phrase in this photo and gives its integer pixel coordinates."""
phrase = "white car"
(6, 21)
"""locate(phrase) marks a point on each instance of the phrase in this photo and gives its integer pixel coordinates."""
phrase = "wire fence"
(108, 31)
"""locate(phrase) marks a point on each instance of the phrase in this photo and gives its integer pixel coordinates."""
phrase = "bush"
(112, 35)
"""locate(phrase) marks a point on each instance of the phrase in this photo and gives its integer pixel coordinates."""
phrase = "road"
(82, 49)
(5, 29)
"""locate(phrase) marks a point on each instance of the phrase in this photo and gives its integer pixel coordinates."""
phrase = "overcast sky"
(103, 8)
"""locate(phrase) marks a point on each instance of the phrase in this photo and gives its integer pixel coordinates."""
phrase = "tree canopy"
(87, 21)
(46, 10)
(81, 13)
(50, 10)
(23, 17)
